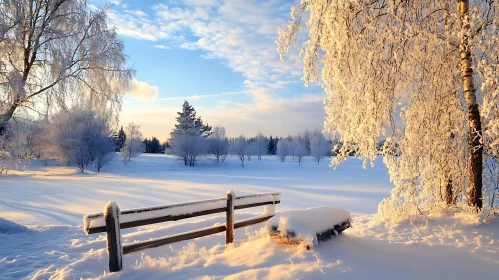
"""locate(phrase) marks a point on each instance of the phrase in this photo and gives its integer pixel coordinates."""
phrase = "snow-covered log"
(309, 226)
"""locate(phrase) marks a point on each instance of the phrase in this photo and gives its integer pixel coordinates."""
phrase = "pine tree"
(121, 139)
(271, 146)
(188, 135)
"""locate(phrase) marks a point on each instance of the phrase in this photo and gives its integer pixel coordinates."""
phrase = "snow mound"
(307, 223)
(8, 227)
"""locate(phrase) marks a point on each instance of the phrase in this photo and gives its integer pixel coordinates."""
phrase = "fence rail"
(113, 220)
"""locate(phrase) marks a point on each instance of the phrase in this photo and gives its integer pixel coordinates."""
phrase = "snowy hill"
(41, 233)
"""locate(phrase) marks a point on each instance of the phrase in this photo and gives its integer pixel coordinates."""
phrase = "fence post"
(114, 248)
(229, 223)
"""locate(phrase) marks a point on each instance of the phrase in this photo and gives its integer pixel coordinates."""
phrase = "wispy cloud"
(194, 97)
(239, 32)
(160, 46)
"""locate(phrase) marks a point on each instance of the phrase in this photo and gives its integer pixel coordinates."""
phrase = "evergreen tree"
(120, 139)
(155, 145)
(271, 146)
(146, 145)
(188, 137)
(187, 121)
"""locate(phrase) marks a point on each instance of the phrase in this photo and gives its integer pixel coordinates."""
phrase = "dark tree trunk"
(449, 193)
(475, 160)
(5, 117)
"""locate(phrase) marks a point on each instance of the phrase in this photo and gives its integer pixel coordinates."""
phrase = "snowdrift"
(8, 227)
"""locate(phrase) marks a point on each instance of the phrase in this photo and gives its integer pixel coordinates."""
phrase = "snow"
(305, 224)
(257, 198)
(50, 201)
(8, 227)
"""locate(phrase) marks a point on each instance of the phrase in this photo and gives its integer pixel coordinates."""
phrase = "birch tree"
(423, 74)
(56, 52)
(133, 143)
(218, 143)
(239, 147)
(283, 149)
(319, 146)
(262, 145)
(300, 149)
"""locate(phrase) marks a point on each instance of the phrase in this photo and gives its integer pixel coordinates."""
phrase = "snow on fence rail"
(112, 220)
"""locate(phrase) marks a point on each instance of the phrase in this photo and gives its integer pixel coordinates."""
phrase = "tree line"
(191, 138)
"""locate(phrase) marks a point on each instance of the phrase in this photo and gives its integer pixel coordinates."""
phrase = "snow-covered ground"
(41, 232)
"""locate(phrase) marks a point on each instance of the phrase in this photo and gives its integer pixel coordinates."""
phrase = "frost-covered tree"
(319, 146)
(283, 148)
(82, 136)
(218, 143)
(239, 147)
(262, 145)
(188, 138)
(54, 52)
(13, 147)
(300, 149)
(133, 144)
(252, 149)
(423, 74)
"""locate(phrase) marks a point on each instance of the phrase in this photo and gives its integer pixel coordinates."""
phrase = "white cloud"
(211, 3)
(142, 91)
(160, 46)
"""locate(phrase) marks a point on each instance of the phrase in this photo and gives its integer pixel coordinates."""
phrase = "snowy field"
(41, 233)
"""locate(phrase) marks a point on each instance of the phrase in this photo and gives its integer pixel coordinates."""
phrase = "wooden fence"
(113, 220)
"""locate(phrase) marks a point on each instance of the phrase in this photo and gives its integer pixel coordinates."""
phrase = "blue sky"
(222, 58)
